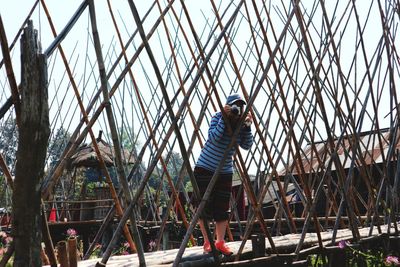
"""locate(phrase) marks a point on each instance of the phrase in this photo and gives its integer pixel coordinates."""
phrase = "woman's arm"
(217, 127)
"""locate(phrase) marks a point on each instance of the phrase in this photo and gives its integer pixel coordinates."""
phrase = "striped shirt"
(217, 142)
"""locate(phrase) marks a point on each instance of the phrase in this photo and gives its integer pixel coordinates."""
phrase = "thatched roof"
(86, 155)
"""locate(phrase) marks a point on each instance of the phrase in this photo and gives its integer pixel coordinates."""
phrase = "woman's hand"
(227, 109)
(249, 120)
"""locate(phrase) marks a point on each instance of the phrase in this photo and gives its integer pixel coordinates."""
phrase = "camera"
(235, 109)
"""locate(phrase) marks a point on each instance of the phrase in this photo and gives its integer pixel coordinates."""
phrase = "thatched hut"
(86, 155)
(95, 185)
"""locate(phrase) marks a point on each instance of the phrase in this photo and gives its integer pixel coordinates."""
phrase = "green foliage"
(96, 252)
(318, 260)
(8, 149)
(188, 187)
(57, 145)
(5, 193)
(122, 249)
(91, 186)
(189, 244)
(174, 165)
(154, 181)
(9, 141)
(356, 256)
(128, 139)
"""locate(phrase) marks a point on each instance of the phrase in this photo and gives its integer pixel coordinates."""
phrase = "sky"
(78, 49)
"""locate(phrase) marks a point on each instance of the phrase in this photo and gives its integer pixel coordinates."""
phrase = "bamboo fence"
(320, 81)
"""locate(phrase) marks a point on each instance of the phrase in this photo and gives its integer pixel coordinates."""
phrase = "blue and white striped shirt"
(217, 142)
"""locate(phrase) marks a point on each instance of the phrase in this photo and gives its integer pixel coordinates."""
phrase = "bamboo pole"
(320, 103)
(245, 176)
(78, 135)
(244, 92)
(252, 198)
(10, 72)
(49, 248)
(297, 104)
(100, 232)
(250, 102)
(93, 138)
(169, 179)
(118, 159)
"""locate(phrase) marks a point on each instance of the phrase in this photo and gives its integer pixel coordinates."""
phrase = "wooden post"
(62, 254)
(34, 131)
(165, 238)
(72, 250)
(336, 256)
(258, 245)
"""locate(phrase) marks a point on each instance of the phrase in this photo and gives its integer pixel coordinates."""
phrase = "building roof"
(86, 155)
(273, 192)
(372, 148)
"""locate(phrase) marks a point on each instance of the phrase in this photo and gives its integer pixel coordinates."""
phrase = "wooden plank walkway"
(289, 241)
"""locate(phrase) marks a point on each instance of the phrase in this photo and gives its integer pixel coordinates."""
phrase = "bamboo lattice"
(320, 81)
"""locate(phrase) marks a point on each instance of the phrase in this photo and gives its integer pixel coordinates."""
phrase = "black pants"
(217, 206)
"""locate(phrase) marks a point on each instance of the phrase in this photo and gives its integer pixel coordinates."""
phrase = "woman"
(219, 138)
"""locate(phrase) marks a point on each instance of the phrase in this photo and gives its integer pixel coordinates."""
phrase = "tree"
(8, 148)
(128, 139)
(129, 143)
(5, 193)
(34, 131)
(9, 141)
(57, 145)
(174, 166)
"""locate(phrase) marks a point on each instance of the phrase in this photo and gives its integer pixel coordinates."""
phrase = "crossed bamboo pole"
(147, 121)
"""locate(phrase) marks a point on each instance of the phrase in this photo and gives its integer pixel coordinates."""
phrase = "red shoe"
(223, 248)
(207, 247)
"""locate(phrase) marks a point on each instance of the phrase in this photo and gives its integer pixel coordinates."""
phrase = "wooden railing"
(77, 210)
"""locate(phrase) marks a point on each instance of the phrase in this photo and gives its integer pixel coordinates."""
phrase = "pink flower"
(72, 232)
(392, 260)
(8, 239)
(126, 245)
(342, 244)
(152, 245)
(3, 234)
